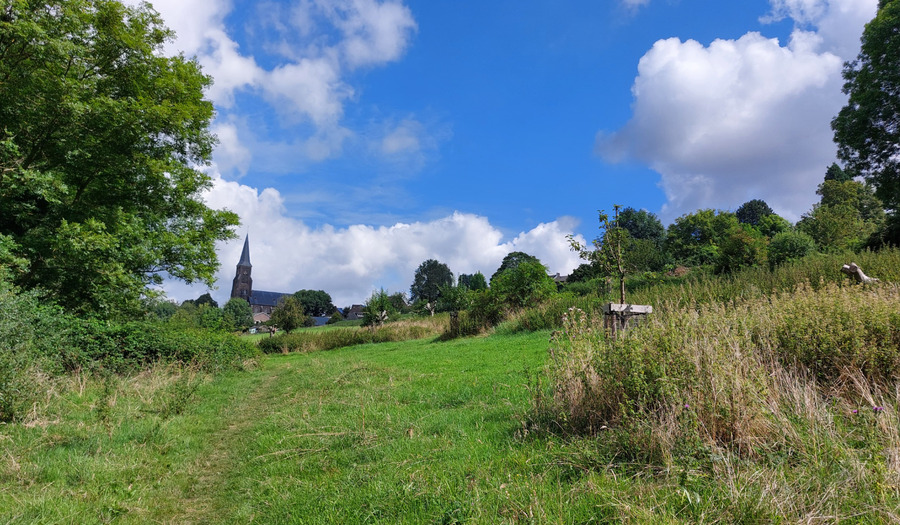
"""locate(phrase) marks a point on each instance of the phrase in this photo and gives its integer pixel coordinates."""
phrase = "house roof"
(245, 254)
(262, 298)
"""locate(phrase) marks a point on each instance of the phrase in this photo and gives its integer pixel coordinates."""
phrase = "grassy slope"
(415, 432)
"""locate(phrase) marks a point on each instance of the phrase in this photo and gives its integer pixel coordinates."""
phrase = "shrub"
(789, 246)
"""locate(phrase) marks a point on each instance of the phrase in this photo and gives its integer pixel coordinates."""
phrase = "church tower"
(243, 284)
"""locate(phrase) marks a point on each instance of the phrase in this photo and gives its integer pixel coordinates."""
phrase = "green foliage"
(642, 225)
(511, 261)
(743, 246)
(336, 317)
(526, 284)
(237, 315)
(695, 238)
(753, 211)
(643, 255)
(102, 135)
(835, 172)
(315, 303)
(866, 130)
(790, 246)
(288, 315)
(379, 309)
(608, 255)
(846, 217)
(430, 276)
(773, 224)
(399, 302)
(454, 299)
(206, 299)
(583, 272)
(472, 282)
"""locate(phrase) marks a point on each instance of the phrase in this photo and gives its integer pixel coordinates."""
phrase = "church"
(262, 303)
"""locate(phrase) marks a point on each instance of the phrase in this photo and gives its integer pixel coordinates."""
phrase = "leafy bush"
(790, 246)
(130, 346)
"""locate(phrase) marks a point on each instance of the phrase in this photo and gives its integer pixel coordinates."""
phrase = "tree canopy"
(101, 139)
(316, 303)
(753, 211)
(641, 224)
(289, 315)
(867, 129)
(511, 261)
(430, 276)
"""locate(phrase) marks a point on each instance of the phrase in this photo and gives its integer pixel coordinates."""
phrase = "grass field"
(429, 431)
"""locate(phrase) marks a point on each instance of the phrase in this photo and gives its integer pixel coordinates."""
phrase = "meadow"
(745, 399)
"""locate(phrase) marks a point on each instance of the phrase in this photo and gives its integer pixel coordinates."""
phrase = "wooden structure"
(619, 317)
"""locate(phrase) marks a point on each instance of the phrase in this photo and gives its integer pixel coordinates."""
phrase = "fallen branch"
(856, 272)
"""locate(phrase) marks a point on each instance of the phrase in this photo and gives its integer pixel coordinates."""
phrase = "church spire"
(242, 286)
(245, 255)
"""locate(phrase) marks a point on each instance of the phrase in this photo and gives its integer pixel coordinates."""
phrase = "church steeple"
(242, 286)
(245, 255)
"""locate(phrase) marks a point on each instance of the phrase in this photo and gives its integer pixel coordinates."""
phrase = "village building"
(261, 302)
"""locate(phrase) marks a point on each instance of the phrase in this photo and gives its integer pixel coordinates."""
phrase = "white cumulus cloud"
(740, 119)
(350, 263)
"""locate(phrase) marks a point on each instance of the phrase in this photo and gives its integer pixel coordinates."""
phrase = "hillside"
(766, 405)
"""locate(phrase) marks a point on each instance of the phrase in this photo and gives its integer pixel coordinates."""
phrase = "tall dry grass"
(727, 375)
(328, 338)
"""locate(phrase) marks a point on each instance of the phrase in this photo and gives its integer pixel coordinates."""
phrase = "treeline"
(634, 247)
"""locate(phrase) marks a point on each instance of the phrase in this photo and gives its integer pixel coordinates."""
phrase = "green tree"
(512, 260)
(753, 211)
(238, 314)
(835, 172)
(472, 281)
(789, 246)
(695, 238)
(399, 302)
(742, 246)
(379, 309)
(609, 249)
(478, 282)
(207, 300)
(526, 284)
(772, 225)
(867, 129)
(430, 276)
(643, 225)
(315, 302)
(846, 217)
(288, 315)
(101, 136)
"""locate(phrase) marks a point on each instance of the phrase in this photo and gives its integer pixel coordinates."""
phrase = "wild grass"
(330, 338)
(777, 397)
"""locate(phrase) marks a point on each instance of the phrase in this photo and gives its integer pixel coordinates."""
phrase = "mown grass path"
(408, 432)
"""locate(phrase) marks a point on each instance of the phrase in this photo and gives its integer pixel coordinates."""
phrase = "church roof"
(245, 255)
(261, 298)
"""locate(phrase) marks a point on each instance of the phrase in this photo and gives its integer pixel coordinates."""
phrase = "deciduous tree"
(101, 138)
(430, 276)
(288, 315)
(867, 129)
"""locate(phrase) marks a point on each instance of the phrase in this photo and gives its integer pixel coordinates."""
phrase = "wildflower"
(687, 405)
(878, 409)
(854, 411)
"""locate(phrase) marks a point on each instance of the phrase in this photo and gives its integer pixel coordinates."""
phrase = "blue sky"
(361, 137)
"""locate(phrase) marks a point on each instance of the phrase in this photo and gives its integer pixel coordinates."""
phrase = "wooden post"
(619, 317)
